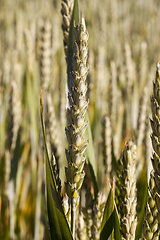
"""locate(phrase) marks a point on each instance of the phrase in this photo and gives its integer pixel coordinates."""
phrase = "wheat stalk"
(142, 116)
(143, 71)
(30, 46)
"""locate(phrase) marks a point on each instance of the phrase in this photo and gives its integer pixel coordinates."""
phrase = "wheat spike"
(113, 94)
(75, 132)
(155, 137)
(52, 129)
(88, 213)
(128, 194)
(45, 53)
(150, 226)
(81, 230)
(15, 116)
(107, 145)
(98, 208)
(66, 10)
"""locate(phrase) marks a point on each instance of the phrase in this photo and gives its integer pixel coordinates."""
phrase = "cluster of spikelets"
(128, 194)
(155, 105)
(107, 151)
(150, 226)
(45, 52)
(76, 114)
(66, 10)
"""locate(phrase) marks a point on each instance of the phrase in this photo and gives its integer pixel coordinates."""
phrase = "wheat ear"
(107, 145)
(45, 53)
(81, 230)
(98, 208)
(150, 226)
(66, 11)
(76, 123)
(128, 194)
(155, 137)
(88, 213)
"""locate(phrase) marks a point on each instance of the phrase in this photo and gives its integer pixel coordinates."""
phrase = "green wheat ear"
(128, 193)
(155, 137)
(150, 226)
(75, 131)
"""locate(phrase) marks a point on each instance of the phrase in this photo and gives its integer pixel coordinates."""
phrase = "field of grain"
(79, 119)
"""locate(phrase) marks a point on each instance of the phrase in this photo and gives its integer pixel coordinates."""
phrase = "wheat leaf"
(59, 228)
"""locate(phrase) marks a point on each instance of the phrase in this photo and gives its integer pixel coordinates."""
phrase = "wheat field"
(79, 119)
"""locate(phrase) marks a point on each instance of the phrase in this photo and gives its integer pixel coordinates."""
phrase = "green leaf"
(59, 228)
(71, 39)
(31, 103)
(93, 177)
(117, 234)
(108, 217)
(142, 187)
(114, 161)
(90, 151)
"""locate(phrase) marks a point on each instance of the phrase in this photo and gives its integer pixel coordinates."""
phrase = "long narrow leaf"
(93, 177)
(59, 228)
(90, 151)
(143, 181)
(108, 217)
(117, 234)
